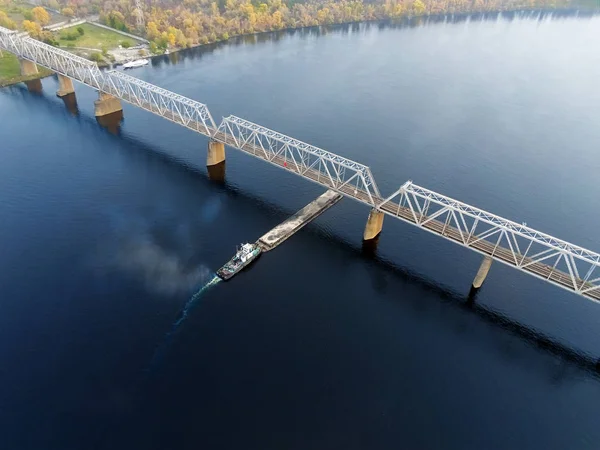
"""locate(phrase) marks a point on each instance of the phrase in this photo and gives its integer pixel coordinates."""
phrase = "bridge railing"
(339, 173)
(516, 244)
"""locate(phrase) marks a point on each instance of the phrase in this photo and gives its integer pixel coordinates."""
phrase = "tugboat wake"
(184, 313)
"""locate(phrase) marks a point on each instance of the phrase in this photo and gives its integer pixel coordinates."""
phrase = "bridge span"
(538, 254)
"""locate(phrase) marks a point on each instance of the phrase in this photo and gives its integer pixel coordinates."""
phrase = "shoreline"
(11, 81)
(404, 20)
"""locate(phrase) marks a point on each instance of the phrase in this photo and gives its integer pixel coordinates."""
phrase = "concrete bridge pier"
(65, 86)
(374, 225)
(106, 104)
(484, 268)
(28, 68)
(216, 153)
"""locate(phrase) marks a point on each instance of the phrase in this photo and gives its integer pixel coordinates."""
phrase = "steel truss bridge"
(543, 256)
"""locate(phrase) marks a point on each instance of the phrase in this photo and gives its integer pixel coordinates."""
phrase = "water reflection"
(70, 101)
(216, 172)
(369, 247)
(112, 122)
(357, 27)
(34, 86)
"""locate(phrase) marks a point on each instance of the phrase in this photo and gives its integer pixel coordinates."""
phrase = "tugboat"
(244, 255)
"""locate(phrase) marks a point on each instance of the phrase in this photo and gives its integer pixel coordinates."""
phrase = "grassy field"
(10, 71)
(94, 37)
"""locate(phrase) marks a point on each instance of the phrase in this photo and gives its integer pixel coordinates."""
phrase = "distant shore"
(404, 20)
(10, 73)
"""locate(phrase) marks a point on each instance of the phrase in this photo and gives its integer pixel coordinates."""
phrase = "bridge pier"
(374, 225)
(28, 68)
(106, 104)
(216, 153)
(484, 268)
(65, 86)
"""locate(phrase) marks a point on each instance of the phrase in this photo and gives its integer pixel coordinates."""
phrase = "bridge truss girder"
(338, 173)
(177, 108)
(514, 244)
(53, 58)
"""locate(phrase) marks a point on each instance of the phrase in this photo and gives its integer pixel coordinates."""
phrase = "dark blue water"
(105, 237)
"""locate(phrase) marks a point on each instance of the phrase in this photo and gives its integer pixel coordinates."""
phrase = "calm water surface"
(104, 237)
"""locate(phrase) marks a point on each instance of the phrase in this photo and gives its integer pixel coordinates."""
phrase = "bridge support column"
(216, 153)
(65, 86)
(106, 104)
(484, 268)
(374, 225)
(28, 68)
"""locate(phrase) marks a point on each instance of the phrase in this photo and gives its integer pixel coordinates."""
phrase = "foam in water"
(184, 313)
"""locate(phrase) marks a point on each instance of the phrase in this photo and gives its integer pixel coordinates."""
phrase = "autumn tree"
(67, 12)
(33, 28)
(40, 15)
(152, 31)
(418, 7)
(7, 22)
(183, 23)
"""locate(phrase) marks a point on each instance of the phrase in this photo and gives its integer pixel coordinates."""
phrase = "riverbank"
(409, 21)
(10, 71)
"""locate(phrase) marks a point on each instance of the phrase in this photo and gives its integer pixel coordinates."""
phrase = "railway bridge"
(553, 260)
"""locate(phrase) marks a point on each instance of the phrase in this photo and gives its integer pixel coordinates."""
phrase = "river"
(107, 234)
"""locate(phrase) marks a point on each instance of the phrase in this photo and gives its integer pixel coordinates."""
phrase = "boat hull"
(226, 274)
(134, 64)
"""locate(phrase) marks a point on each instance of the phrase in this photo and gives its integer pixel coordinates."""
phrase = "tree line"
(186, 23)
